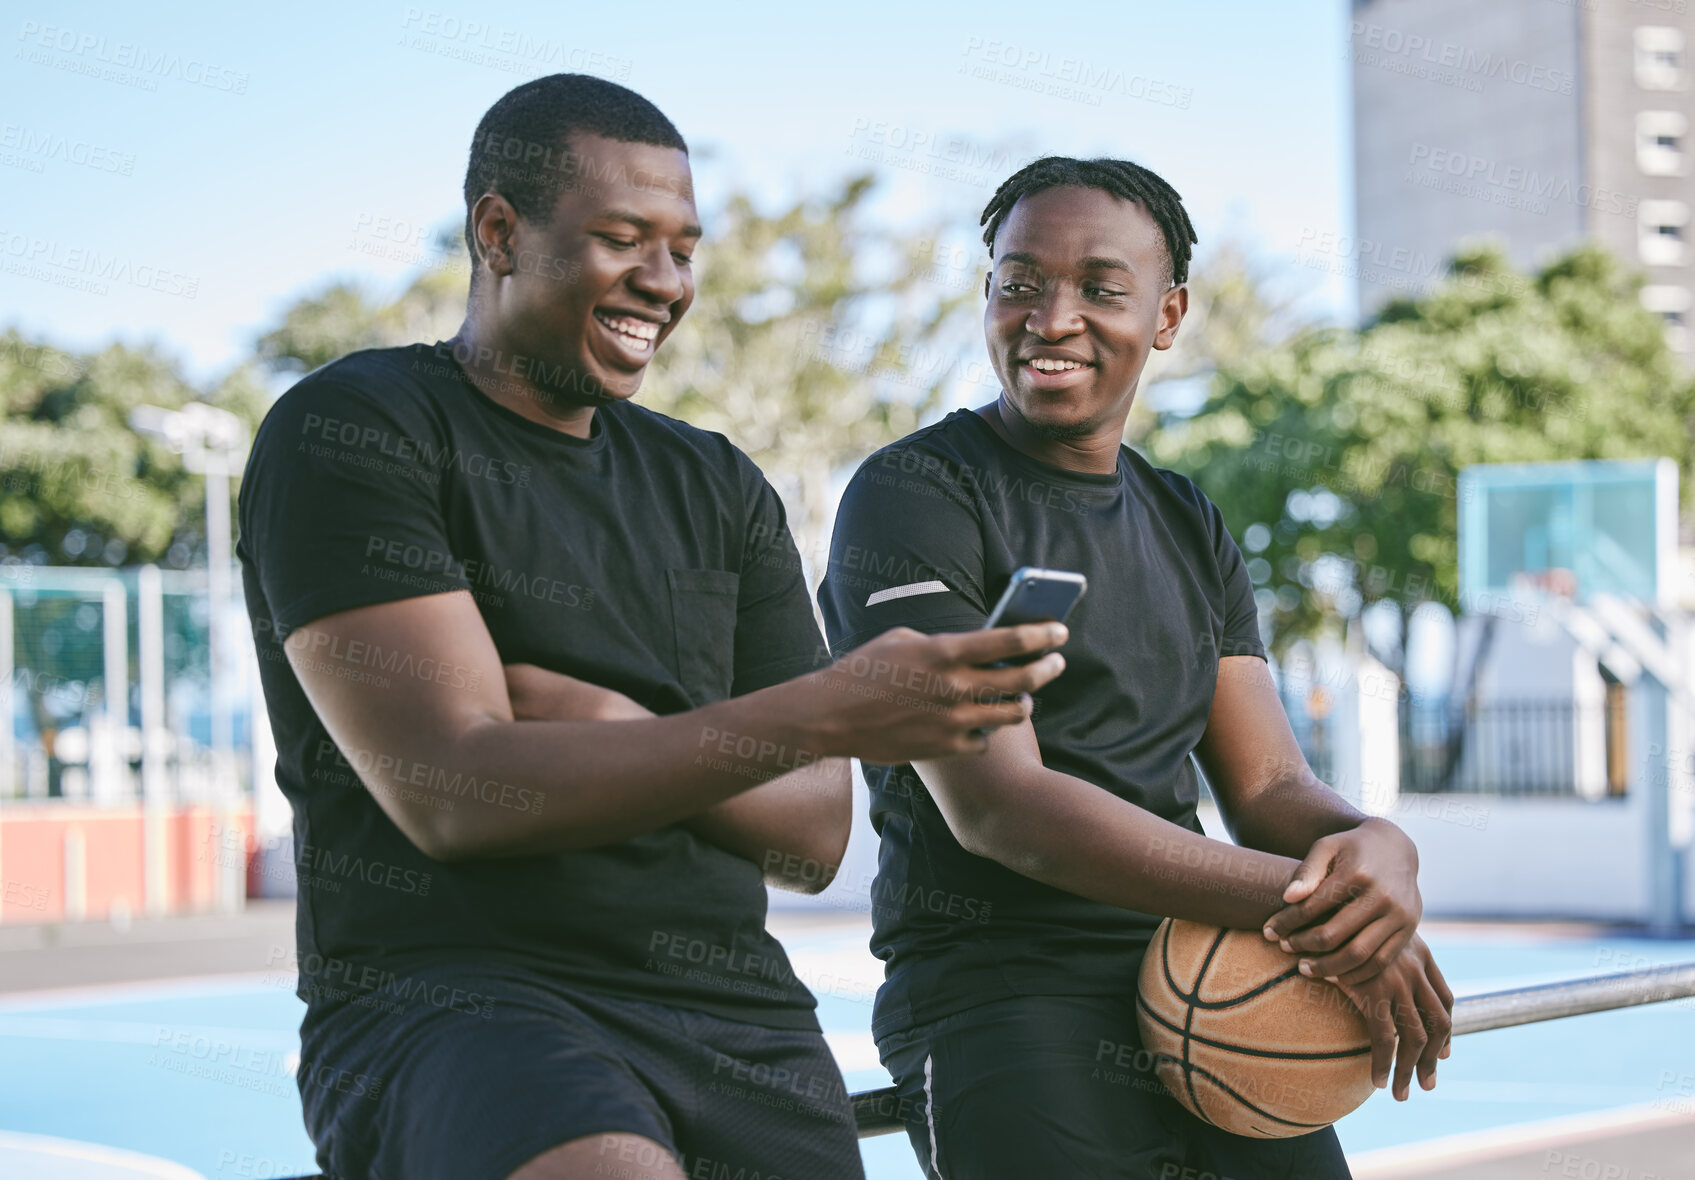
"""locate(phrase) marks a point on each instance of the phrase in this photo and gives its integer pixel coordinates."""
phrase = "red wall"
(33, 857)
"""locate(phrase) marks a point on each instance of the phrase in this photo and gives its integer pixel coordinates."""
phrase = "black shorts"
(483, 1072)
(1048, 1086)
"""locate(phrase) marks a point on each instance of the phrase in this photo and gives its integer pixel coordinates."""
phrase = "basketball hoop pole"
(878, 1112)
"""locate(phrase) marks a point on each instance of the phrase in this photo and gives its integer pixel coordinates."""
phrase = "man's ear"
(987, 275)
(1173, 306)
(493, 222)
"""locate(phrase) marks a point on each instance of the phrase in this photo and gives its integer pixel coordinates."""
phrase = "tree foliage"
(77, 485)
(814, 339)
(344, 318)
(1335, 455)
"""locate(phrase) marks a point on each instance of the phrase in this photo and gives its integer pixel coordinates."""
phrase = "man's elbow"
(1000, 835)
(438, 841)
(809, 865)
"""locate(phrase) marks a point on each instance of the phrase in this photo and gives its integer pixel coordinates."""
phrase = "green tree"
(344, 318)
(1334, 456)
(77, 485)
(815, 338)
(1235, 313)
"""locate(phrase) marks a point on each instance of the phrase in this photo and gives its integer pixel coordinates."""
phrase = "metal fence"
(1525, 747)
(108, 692)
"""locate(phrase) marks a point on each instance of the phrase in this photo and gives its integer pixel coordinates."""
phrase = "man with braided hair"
(1018, 888)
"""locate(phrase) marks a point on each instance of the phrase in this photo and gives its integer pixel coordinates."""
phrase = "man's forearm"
(557, 786)
(1074, 836)
(1289, 814)
(795, 828)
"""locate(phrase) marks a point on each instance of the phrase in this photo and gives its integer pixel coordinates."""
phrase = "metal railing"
(876, 1111)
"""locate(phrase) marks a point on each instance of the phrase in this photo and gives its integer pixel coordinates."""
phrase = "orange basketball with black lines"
(1243, 1039)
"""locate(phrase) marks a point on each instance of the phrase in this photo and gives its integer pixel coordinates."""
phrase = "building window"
(1660, 227)
(1659, 58)
(1672, 305)
(1660, 143)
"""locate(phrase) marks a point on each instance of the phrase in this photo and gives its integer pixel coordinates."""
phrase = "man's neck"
(1095, 453)
(504, 375)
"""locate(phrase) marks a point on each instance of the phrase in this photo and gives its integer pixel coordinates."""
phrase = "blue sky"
(206, 165)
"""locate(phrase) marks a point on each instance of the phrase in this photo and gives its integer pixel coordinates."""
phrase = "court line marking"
(1409, 1160)
(134, 1163)
(141, 1032)
(224, 983)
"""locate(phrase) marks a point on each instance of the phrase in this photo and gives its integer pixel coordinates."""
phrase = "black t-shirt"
(929, 533)
(651, 557)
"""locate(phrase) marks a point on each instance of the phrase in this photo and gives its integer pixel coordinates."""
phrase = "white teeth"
(1045, 365)
(630, 326)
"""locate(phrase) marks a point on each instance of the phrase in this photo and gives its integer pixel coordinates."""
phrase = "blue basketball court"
(200, 1072)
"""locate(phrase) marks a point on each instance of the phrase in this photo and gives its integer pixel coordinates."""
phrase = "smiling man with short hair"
(551, 708)
(1072, 834)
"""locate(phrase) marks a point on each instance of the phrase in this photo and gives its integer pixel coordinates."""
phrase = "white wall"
(1485, 857)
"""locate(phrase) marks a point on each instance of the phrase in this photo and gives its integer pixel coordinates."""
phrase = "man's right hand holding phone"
(906, 696)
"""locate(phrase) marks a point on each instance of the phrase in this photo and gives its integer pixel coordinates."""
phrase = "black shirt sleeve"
(340, 507)
(777, 636)
(1241, 613)
(907, 552)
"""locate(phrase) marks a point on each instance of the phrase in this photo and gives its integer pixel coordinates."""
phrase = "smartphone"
(1036, 596)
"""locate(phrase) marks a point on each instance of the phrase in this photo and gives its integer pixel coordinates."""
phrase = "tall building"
(1539, 122)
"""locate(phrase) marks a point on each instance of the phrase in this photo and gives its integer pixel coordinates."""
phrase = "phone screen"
(1037, 596)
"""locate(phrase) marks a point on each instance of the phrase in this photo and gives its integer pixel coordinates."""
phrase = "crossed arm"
(1350, 907)
(794, 826)
(604, 771)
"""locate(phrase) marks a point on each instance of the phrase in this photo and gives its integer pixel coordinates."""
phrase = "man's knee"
(616, 1155)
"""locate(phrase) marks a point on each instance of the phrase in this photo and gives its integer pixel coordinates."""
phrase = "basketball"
(1242, 1039)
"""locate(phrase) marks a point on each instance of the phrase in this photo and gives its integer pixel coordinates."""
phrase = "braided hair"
(1122, 179)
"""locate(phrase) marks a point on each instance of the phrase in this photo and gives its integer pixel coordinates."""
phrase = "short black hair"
(1121, 178)
(521, 148)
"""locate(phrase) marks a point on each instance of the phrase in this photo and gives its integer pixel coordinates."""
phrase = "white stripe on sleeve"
(894, 592)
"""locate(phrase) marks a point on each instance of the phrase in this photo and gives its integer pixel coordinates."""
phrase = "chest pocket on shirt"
(703, 619)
